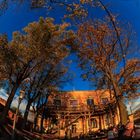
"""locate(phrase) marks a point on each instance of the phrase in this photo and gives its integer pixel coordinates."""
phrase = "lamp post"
(130, 104)
(21, 96)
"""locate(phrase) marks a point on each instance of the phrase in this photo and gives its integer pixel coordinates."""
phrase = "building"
(11, 114)
(79, 112)
(136, 116)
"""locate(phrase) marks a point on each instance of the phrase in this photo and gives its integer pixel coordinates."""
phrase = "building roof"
(2, 101)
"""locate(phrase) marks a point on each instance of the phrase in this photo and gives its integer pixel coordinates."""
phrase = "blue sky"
(17, 17)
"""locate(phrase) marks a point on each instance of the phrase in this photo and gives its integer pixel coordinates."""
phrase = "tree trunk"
(8, 104)
(120, 112)
(42, 119)
(37, 113)
(116, 93)
(26, 114)
(35, 121)
(41, 124)
(100, 125)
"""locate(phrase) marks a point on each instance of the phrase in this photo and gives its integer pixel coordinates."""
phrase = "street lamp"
(130, 104)
(21, 96)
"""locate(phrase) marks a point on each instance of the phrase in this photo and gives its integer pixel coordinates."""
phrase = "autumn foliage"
(106, 63)
(41, 47)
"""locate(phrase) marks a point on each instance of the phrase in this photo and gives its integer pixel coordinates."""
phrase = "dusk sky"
(17, 17)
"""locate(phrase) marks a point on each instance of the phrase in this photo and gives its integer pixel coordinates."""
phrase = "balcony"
(76, 109)
(82, 108)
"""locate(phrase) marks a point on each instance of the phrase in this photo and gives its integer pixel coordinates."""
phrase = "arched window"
(94, 123)
(74, 128)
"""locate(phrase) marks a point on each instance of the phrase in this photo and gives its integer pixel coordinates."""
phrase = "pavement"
(26, 135)
(34, 135)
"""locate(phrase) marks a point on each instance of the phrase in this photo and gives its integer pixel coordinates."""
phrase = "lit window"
(94, 123)
(74, 103)
(90, 102)
(74, 128)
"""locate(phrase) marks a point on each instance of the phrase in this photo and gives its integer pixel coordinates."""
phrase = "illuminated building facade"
(79, 112)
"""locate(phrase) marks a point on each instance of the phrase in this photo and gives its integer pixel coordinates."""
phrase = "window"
(104, 100)
(74, 103)
(74, 128)
(90, 102)
(57, 102)
(107, 121)
(94, 123)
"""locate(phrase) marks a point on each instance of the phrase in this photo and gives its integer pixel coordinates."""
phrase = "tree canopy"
(107, 61)
(101, 57)
(34, 59)
(41, 46)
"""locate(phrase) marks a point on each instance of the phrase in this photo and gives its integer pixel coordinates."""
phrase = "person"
(81, 137)
(115, 131)
(121, 129)
(110, 134)
(129, 131)
(66, 135)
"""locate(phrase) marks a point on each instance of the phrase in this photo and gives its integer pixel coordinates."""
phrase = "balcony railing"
(76, 108)
(81, 108)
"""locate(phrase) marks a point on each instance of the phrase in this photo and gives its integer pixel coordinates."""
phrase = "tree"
(77, 9)
(41, 43)
(44, 83)
(73, 8)
(105, 62)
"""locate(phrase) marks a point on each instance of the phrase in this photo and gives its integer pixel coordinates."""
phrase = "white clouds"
(136, 104)
(133, 104)
(3, 94)
(22, 105)
(14, 102)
